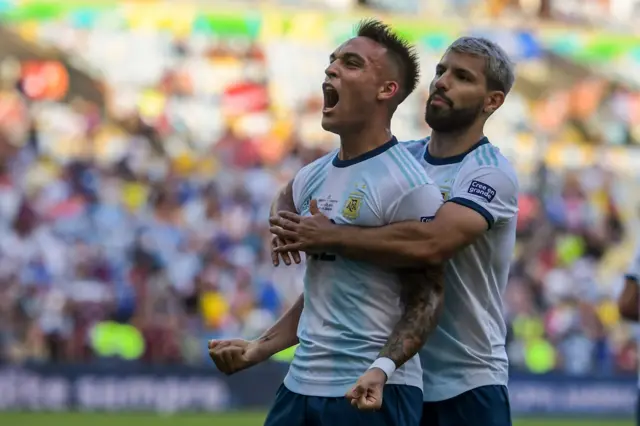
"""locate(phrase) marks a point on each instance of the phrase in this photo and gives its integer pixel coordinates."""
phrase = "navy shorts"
(483, 406)
(401, 406)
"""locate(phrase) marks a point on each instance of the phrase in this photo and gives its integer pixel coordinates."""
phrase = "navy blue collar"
(337, 162)
(441, 161)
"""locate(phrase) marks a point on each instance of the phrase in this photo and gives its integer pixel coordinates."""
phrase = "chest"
(348, 200)
(444, 176)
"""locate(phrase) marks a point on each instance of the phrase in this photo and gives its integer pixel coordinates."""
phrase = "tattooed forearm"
(422, 296)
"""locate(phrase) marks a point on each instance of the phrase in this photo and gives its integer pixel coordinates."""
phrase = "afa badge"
(351, 208)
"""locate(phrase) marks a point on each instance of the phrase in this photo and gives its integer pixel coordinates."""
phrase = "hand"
(310, 234)
(231, 356)
(366, 394)
(277, 242)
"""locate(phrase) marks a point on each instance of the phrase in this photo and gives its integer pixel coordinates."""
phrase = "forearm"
(284, 333)
(628, 302)
(423, 295)
(284, 200)
(400, 245)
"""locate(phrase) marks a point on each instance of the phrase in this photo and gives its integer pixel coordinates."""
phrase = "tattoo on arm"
(422, 293)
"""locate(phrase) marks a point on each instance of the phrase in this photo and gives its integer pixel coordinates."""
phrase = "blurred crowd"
(140, 230)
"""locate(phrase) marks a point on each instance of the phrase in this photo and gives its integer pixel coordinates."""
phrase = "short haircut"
(498, 69)
(401, 52)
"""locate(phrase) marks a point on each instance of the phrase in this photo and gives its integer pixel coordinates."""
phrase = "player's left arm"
(422, 295)
(481, 199)
(421, 289)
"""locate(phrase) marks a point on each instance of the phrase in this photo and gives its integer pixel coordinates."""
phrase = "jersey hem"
(333, 390)
(437, 395)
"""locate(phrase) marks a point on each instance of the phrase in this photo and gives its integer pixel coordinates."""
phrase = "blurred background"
(141, 143)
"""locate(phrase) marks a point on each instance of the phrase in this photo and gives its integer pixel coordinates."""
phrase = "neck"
(450, 144)
(356, 143)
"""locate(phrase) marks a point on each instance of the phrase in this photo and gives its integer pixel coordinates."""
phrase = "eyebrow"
(347, 55)
(458, 70)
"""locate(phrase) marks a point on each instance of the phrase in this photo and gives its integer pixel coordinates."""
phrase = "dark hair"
(401, 51)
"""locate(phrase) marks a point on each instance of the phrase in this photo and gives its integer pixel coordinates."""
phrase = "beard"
(451, 119)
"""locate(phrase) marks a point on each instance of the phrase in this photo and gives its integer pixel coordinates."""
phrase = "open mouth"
(331, 97)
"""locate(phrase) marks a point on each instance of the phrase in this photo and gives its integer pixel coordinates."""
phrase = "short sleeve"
(490, 191)
(307, 180)
(633, 272)
(420, 203)
(298, 190)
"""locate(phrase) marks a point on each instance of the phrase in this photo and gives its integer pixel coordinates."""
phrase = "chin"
(329, 125)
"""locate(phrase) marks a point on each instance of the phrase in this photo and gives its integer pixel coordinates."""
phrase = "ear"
(388, 90)
(493, 101)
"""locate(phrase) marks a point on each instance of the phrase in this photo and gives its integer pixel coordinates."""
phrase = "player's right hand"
(366, 394)
(231, 356)
(275, 256)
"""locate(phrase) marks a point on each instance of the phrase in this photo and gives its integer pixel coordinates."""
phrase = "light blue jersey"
(467, 349)
(350, 308)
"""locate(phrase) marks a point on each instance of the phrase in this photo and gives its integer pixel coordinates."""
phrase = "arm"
(283, 334)
(481, 198)
(411, 243)
(629, 302)
(422, 296)
(284, 200)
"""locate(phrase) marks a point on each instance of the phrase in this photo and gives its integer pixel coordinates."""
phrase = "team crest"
(351, 208)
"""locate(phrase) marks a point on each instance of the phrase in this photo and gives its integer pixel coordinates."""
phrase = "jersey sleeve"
(298, 189)
(419, 203)
(307, 181)
(490, 191)
(633, 272)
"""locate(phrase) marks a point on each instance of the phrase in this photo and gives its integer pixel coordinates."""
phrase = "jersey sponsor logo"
(426, 218)
(351, 208)
(482, 190)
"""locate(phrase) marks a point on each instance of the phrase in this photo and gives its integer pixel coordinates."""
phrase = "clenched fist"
(231, 356)
(366, 394)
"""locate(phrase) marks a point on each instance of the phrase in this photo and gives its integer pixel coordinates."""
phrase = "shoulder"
(315, 167)
(416, 147)
(404, 172)
(487, 160)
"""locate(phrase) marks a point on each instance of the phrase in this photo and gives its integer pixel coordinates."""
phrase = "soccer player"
(465, 364)
(360, 325)
(629, 303)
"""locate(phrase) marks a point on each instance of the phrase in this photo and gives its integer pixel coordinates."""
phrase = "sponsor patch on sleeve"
(426, 218)
(482, 190)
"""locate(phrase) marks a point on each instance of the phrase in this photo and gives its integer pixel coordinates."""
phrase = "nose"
(442, 83)
(331, 71)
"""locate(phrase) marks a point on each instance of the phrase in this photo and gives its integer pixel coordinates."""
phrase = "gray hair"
(499, 70)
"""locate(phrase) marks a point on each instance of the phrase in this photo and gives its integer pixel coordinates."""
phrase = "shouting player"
(360, 325)
(465, 363)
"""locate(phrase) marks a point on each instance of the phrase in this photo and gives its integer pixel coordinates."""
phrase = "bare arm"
(629, 301)
(422, 296)
(412, 243)
(283, 202)
(283, 334)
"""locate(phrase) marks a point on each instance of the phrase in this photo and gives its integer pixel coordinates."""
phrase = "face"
(355, 85)
(458, 95)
